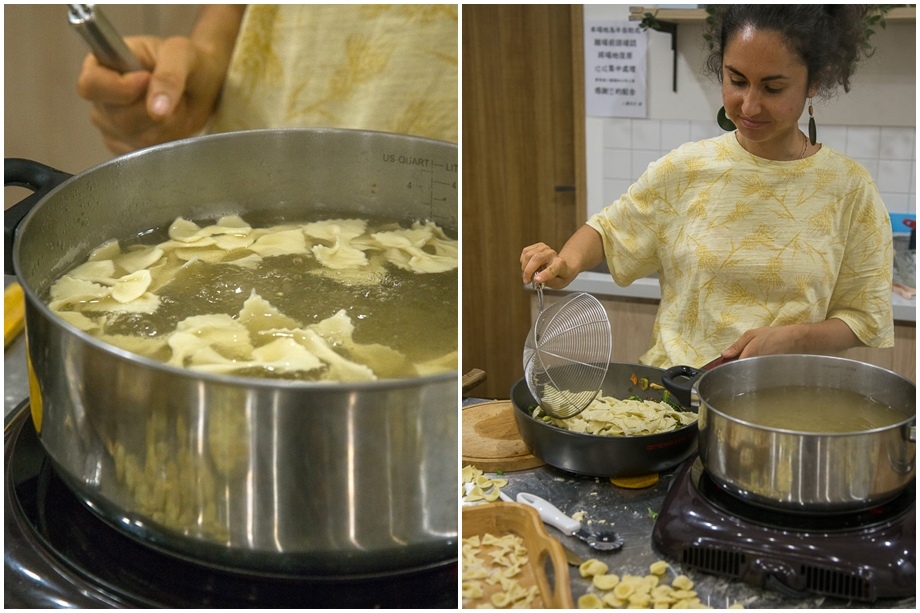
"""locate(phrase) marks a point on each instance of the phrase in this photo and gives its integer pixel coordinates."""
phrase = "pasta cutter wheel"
(567, 353)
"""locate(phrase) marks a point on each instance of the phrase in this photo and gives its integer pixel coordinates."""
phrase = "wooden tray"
(501, 518)
(491, 441)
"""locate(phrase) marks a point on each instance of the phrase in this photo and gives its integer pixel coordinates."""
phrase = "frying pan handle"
(40, 179)
(679, 380)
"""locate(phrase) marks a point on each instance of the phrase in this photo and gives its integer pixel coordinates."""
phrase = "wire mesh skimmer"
(567, 353)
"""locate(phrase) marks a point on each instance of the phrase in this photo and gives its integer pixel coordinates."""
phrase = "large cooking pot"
(801, 471)
(600, 455)
(268, 476)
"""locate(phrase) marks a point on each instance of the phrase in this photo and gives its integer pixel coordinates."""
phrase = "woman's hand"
(826, 337)
(542, 264)
(175, 97)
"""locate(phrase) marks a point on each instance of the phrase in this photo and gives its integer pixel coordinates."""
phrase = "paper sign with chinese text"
(616, 55)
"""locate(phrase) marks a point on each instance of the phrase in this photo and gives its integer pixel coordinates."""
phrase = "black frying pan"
(605, 456)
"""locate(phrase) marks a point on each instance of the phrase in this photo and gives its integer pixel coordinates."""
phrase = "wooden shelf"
(899, 14)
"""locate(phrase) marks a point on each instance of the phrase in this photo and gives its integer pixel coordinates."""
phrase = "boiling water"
(810, 409)
(414, 314)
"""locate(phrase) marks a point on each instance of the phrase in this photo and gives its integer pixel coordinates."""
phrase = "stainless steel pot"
(268, 476)
(800, 471)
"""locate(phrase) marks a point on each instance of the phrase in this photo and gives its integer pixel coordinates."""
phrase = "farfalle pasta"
(133, 297)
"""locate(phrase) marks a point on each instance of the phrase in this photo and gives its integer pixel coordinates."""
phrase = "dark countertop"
(627, 512)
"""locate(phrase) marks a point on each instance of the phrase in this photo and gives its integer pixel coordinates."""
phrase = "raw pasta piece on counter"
(592, 567)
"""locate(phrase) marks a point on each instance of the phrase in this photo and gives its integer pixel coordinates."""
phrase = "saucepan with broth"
(242, 347)
(804, 433)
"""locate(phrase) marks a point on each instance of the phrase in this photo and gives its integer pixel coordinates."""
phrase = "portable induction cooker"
(863, 555)
(58, 553)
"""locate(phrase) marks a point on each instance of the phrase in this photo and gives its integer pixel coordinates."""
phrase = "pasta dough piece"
(138, 259)
(341, 254)
(229, 242)
(204, 254)
(605, 582)
(108, 250)
(97, 271)
(258, 315)
(69, 291)
(185, 231)
(682, 582)
(608, 416)
(146, 303)
(592, 567)
(590, 601)
(407, 249)
(335, 230)
(131, 287)
(285, 355)
(371, 274)
(340, 369)
(221, 333)
(248, 261)
(280, 243)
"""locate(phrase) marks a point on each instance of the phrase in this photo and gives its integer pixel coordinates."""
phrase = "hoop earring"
(724, 122)
(812, 131)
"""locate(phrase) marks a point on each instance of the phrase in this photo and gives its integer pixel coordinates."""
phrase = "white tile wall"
(888, 153)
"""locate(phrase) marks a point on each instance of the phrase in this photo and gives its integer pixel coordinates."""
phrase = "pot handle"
(679, 380)
(40, 179)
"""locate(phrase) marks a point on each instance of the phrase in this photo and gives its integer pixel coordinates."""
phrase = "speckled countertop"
(631, 514)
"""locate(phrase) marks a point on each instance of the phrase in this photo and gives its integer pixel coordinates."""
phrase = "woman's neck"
(793, 146)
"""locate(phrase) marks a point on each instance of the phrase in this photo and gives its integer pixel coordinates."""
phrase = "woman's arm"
(175, 96)
(825, 337)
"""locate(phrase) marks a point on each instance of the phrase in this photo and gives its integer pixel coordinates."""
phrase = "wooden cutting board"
(491, 441)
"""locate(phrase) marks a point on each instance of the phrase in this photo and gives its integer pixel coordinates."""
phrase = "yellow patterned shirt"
(373, 67)
(741, 242)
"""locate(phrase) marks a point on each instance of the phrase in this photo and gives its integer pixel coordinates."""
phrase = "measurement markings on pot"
(435, 184)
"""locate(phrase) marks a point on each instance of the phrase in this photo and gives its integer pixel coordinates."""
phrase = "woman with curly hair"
(765, 241)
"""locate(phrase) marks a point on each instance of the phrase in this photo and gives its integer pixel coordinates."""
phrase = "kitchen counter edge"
(601, 284)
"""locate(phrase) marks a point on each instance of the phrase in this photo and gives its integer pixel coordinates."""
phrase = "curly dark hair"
(829, 38)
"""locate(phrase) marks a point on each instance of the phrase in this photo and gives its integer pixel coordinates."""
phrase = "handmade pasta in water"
(607, 416)
(332, 300)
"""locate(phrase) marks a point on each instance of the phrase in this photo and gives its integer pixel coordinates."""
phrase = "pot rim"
(703, 404)
(225, 379)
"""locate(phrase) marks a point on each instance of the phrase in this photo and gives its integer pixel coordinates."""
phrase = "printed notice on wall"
(616, 55)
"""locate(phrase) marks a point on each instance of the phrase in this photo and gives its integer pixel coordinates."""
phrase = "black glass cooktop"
(59, 554)
(867, 555)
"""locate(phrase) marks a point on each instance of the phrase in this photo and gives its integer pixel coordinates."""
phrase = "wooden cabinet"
(523, 170)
